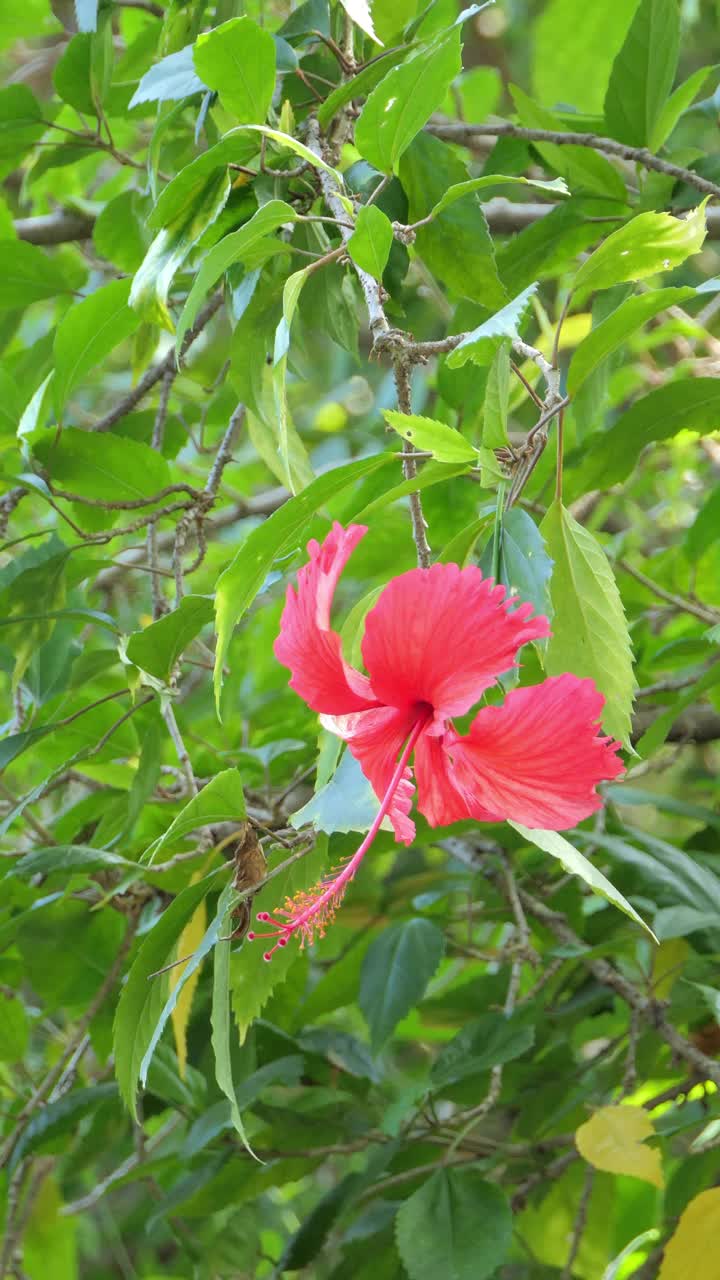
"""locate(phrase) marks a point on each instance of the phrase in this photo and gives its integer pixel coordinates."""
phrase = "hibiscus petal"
(376, 738)
(442, 636)
(536, 759)
(441, 799)
(307, 644)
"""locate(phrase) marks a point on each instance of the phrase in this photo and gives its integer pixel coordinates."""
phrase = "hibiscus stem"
(314, 906)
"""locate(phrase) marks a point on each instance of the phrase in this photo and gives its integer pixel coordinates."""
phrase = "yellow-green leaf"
(613, 1140)
(188, 942)
(443, 442)
(692, 1252)
(649, 243)
(590, 633)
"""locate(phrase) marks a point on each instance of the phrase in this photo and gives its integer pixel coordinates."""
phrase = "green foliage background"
(253, 260)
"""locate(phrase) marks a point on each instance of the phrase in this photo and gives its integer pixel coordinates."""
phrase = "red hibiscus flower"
(434, 642)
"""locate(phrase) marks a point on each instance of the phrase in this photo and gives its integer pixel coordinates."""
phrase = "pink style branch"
(436, 640)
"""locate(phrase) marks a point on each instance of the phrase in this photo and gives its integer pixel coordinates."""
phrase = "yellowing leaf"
(667, 966)
(189, 941)
(613, 1140)
(693, 1250)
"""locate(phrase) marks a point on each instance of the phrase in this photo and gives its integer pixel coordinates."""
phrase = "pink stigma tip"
(263, 916)
(250, 936)
(267, 955)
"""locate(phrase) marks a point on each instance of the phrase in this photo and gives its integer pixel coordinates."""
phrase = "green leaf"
(643, 73)
(178, 199)
(525, 566)
(577, 864)
(170, 248)
(157, 648)
(590, 634)
(705, 529)
(483, 343)
(583, 169)
(87, 334)
(692, 404)
(455, 246)
(611, 333)
(106, 467)
(396, 970)
(220, 1017)
(487, 1041)
(677, 104)
(403, 102)
(370, 243)
(456, 1225)
(222, 800)
(29, 275)
(118, 231)
(359, 12)
(21, 125)
(649, 243)
(557, 186)
(291, 294)
(253, 979)
(572, 59)
(244, 576)
(68, 859)
(237, 59)
(286, 141)
(142, 998)
(346, 802)
(655, 736)
(359, 86)
(172, 78)
(229, 250)
(58, 1120)
(445, 443)
(497, 400)
(71, 76)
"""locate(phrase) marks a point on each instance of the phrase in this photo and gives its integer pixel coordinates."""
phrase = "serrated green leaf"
(456, 1225)
(142, 998)
(396, 970)
(87, 334)
(643, 73)
(222, 800)
(482, 344)
(359, 12)
(649, 243)
(370, 243)
(590, 634)
(67, 858)
(445, 443)
(488, 1041)
(403, 102)
(157, 648)
(237, 60)
(577, 864)
(253, 979)
(238, 585)
(102, 467)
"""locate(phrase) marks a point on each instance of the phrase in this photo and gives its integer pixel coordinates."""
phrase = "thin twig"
(579, 1224)
(701, 611)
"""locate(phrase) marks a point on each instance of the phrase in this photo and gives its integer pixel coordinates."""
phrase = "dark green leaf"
(456, 1225)
(159, 646)
(643, 74)
(222, 800)
(68, 859)
(106, 467)
(221, 1015)
(396, 970)
(29, 275)
(487, 1041)
(20, 125)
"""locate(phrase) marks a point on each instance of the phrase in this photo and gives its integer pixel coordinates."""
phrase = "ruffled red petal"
(307, 644)
(376, 738)
(442, 636)
(536, 759)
